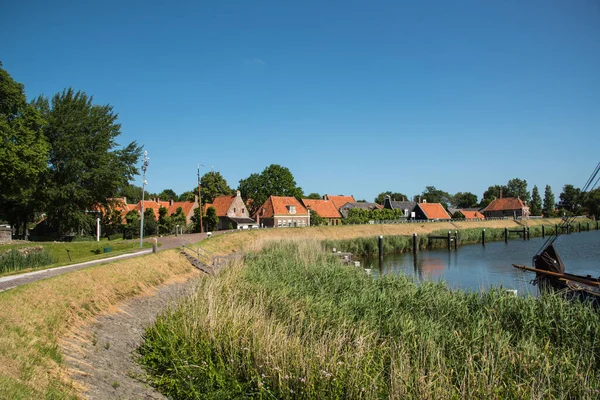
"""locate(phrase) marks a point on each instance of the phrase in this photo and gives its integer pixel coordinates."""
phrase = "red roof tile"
(339, 201)
(186, 206)
(221, 204)
(278, 205)
(324, 208)
(472, 214)
(505, 204)
(434, 211)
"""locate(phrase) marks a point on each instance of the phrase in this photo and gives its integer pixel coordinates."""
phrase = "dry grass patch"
(34, 317)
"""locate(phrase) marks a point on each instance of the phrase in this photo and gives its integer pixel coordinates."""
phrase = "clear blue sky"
(354, 97)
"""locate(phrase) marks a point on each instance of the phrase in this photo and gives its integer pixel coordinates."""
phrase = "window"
(292, 209)
(234, 210)
(278, 223)
(243, 211)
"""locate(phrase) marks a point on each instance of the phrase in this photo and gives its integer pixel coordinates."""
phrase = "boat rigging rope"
(591, 183)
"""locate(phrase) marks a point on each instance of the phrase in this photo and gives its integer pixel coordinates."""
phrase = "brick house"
(506, 207)
(282, 212)
(232, 212)
(325, 209)
(430, 211)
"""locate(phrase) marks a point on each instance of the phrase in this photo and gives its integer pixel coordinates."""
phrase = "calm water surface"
(475, 267)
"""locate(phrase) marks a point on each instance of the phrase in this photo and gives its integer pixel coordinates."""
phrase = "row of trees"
(59, 156)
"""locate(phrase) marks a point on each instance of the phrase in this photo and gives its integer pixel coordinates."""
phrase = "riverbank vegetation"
(291, 322)
(34, 318)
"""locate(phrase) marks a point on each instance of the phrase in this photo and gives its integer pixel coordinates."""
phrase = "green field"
(59, 252)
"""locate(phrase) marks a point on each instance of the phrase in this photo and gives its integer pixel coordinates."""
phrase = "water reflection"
(477, 267)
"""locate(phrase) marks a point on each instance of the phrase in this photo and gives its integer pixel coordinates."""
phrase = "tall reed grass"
(19, 259)
(290, 322)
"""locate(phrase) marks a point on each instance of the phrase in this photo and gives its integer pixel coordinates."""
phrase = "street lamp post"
(200, 199)
(144, 167)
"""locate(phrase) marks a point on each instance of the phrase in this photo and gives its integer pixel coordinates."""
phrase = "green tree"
(132, 228)
(465, 200)
(314, 196)
(592, 203)
(167, 194)
(212, 185)
(23, 154)
(133, 193)
(536, 202)
(433, 195)
(189, 195)
(211, 221)
(150, 223)
(196, 219)
(570, 200)
(178, 218)
(549, 202)
(316, 219)
(164, 221)
(275, 180)
(380, 199)
(86, 166)
(517, 188)
(492, 193)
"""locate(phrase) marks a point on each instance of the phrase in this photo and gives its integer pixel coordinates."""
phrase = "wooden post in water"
(543, 232)
(449, 240)
(579, 223)
(596, 224)
(555, 229)
(483, 237)
(380, 244)
(415, 245)
(524, 233)
(588, 226)
(455, 240)
(505, 235)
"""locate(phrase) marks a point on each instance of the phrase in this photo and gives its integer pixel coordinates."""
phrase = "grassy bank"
(290, 322)
(256, 238)
(34, 317)
(63, 253)
(368, 246)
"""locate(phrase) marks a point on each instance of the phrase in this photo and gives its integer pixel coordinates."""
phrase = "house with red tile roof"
(430, 211)
(470, 214)
(325, 209)
(339, 201)
(506, 207)
(232, 212)
(282, 212)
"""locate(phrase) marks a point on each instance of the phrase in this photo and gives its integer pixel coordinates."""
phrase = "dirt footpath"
(101, 354)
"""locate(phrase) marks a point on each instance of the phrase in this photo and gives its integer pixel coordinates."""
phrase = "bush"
(115, 236)
(83, 239)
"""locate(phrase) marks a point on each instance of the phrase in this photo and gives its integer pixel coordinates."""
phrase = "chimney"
(171, 202)
(238, 193)
(124, 199)
(419, 199)
(195, 198)
(500, 192)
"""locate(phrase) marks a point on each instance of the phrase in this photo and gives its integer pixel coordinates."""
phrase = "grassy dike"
(289, 322)
(34, 317)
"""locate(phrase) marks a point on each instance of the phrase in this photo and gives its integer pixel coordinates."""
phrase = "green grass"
(291, 322)
(79, 251)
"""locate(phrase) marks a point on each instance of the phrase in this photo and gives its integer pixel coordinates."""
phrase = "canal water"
(475, 267)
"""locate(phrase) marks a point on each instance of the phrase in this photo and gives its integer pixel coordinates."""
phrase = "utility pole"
(144, 167)
(200, 200)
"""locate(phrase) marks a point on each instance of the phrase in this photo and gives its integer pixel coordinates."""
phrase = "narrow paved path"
(166, 243)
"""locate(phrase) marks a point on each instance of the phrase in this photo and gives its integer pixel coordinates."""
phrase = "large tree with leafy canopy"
(23, 153)
(517, 188)
(433, 195)
(86, 165)
(275, 180)
(465, 200)
(213, 185)
(570, 200)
